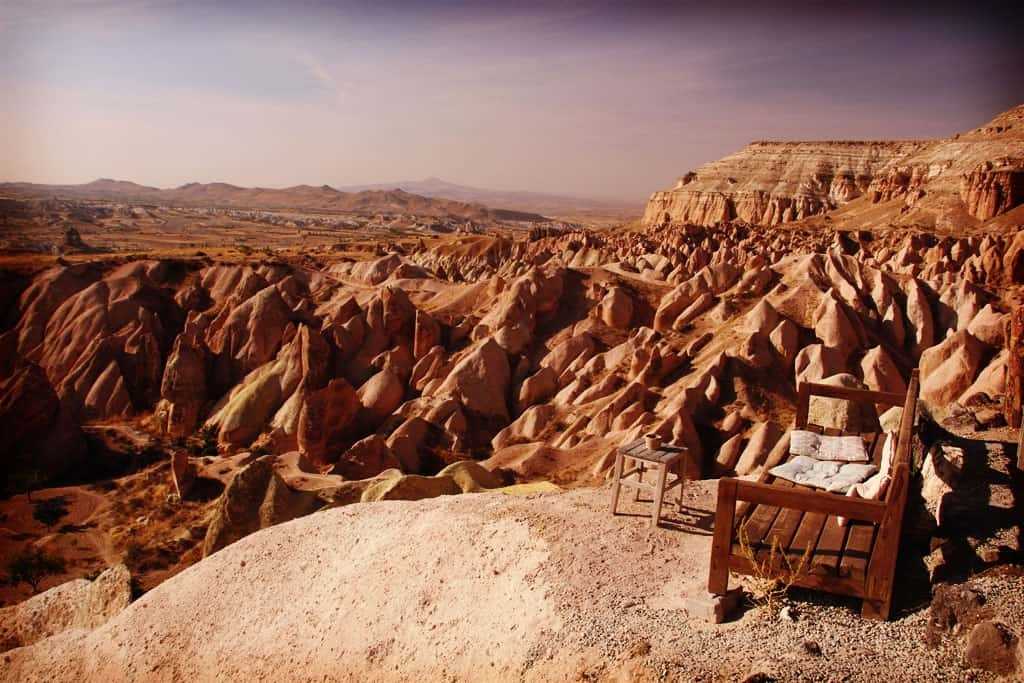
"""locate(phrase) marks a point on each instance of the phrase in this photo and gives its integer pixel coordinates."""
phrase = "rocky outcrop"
(183, 387)
(44, 440)
(256, 498)
(80, 604)
(324, 420)
(768, 183)
(975, 176)
(993, 188)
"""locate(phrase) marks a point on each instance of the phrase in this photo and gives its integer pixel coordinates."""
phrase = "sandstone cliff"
(953, 182)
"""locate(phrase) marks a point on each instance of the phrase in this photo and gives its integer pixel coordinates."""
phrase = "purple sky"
(587, 98)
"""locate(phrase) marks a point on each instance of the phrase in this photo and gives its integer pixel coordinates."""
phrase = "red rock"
(324, 420)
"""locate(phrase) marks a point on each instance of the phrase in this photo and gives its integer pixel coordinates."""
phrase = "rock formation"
(75, 605)
(970, 177)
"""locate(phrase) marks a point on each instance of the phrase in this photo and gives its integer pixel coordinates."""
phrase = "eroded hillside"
(948, 184)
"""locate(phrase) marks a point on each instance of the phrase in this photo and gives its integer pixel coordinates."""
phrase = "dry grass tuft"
(774, 574)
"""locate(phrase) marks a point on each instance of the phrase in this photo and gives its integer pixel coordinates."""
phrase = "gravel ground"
(486, 587)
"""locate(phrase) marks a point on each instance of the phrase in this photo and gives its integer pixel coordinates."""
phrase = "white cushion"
(821, 447)
(834, 477)
(874, 488)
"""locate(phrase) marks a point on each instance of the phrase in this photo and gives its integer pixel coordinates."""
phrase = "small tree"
(31, 566)
(204, 441)
(49, 511)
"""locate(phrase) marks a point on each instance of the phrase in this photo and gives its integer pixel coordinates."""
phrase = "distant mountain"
(538, 202)
(299, 197)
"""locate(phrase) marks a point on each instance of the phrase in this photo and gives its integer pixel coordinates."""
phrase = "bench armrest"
(808, 501)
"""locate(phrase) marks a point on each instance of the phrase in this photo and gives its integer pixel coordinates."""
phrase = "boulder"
(989, 326)
(381, 395)
(941, 475)
(728, 455)
(617, 308)
(948, 369)
(407, 442)
(785, 337)
(992, 646)
(248, 335)
(673, 303)
(471, 476)
(410, 487)
(572, 349)
(815, 362)
(834, 328)
(528, 427)
(954, 607)
(701, 305)
(241, 416)
(919, 318)
(762, 318)
(428, 368)
(762, 440)
(366, 458)
(756, 351)
(398, 360)
(480, 381)
(880, 372)
(991, 384)
(540, 386)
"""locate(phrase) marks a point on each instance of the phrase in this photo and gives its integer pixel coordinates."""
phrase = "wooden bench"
(856, 559)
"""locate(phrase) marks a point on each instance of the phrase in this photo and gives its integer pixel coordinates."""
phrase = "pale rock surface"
(841, 414)
(949, 368)
(880, 371)
(617, 308)
(76, 605)
(480, 381)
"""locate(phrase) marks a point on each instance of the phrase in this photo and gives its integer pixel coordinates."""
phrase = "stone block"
(713, 608)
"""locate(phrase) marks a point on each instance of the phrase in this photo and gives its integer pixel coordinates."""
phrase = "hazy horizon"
(579, 98)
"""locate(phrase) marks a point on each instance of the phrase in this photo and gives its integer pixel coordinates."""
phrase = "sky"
(595, 99)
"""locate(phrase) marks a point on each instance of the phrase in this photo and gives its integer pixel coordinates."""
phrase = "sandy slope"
(475, 587)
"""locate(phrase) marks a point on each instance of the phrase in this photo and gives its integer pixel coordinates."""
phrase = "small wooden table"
(664, 460)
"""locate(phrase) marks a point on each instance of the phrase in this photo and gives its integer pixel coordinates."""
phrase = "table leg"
(659, 495)
(680, 469)
(640, 478)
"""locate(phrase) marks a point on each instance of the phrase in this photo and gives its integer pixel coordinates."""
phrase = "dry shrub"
(773, 575)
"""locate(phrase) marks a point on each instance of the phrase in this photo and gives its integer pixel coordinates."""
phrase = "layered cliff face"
(993, 188)
(775, 182)
(968, 178)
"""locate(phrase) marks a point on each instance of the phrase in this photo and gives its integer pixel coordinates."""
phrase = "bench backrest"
(868, 399)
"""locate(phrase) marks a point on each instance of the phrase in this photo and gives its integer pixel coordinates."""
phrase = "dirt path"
(75, 537)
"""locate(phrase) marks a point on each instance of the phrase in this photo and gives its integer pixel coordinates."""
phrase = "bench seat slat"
(859, 540)
(829, 549)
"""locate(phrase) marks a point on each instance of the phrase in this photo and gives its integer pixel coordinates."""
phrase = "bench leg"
(876, 609)
(616, 482)
(721, 544)
(659, 495)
